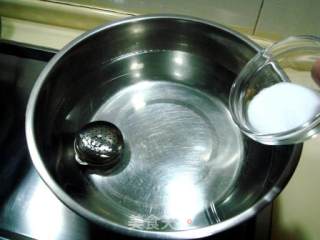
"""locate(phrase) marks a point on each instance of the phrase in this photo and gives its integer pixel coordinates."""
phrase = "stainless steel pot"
(186, 171)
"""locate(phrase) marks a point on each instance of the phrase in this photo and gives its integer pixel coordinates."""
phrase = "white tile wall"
(282, 18)
(241, 14)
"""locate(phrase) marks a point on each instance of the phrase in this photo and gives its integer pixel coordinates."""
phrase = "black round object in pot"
(98, 144)
(164, 81)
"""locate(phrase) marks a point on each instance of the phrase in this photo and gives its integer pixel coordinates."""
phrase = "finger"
(315, 72)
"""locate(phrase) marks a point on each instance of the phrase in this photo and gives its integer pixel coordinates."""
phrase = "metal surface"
(185, 155)
(99, 144)
(28, 209)
(164, 80)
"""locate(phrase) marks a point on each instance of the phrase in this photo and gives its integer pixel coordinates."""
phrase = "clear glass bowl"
(289, 60)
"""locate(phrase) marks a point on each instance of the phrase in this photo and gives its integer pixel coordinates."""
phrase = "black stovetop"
(28, 209)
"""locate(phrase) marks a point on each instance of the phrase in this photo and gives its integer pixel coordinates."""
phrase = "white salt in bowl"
(274, 100)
